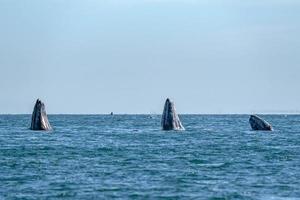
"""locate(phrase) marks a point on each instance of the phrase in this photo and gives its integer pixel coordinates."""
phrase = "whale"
(170, 119)
(258, 124)
(39, 119)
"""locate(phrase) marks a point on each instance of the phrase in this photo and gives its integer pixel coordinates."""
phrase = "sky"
(128, 56)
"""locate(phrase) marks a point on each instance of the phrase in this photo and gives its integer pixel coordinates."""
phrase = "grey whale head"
(258, 124)
(170, 119)
(39, 119)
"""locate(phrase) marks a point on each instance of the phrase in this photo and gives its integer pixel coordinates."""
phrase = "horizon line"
(156, 114)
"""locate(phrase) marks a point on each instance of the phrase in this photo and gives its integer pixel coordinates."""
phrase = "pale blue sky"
(97, 56)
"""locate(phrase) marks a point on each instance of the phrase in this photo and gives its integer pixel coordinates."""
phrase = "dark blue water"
(129, 157)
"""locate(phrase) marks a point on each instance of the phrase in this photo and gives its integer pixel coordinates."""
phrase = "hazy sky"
(98, 56)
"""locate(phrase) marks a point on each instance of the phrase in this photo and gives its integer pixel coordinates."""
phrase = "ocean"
(130, 157)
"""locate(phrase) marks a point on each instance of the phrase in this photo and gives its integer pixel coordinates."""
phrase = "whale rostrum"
(39, 120)
(170, 119)
(258, 124)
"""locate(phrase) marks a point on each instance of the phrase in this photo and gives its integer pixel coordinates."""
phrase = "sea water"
(130, 157)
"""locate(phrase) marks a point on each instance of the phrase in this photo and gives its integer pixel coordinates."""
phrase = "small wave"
(277, 198)
(209, 165)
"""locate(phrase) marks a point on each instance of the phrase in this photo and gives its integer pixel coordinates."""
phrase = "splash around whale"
(258, 124)
(39, 120)
(170, 119)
